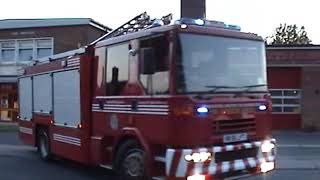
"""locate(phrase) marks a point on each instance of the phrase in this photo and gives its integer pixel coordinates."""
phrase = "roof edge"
(90, 22)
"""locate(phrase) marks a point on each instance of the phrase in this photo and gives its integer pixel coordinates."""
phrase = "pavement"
(298, 150)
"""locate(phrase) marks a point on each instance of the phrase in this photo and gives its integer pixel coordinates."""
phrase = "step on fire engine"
(155, 100)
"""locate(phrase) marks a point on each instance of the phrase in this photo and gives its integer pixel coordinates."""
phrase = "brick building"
(23, 40)
(294, 83)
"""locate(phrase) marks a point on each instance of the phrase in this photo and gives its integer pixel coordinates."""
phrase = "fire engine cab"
(155, 100)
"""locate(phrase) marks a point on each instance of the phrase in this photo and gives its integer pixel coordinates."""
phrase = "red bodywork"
(168, 123)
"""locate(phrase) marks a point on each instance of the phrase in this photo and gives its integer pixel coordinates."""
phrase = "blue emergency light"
(201, 22)
(262, 107)
(202, 110)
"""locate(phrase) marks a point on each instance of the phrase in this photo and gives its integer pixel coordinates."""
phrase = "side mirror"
(147, 61)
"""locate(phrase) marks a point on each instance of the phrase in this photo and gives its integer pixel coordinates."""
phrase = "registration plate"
(228, 138)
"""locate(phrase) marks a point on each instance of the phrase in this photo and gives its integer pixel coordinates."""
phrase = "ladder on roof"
(140, 22)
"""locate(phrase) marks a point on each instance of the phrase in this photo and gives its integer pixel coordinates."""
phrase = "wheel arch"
(38, 128)
(128, 134)
(131, 134)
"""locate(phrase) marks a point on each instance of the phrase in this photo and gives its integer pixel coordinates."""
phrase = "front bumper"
(178, 167)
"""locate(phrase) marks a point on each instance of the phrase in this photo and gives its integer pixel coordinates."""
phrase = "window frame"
(106, 65)
(17, 48)
(283, 97)
(145, 87)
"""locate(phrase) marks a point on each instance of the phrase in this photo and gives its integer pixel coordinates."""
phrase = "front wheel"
(131, 162)
(43, 145)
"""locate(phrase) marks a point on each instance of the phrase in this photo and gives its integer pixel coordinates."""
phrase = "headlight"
(196, 177)
(267, 146)
(198, 157)
(267, 166)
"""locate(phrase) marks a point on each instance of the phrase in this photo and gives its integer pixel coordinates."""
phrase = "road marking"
(299, 145)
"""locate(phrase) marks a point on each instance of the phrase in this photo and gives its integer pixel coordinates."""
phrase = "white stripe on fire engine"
(152, 109)
(225, 167)
(270, 158)
(117, 105)
(69, 63)
(247, 145)
(73, 61)
(25, 130)
(229, 147)
(212, 168)
(138, 97)
(153, 106)
(198, 168)
(169, 159)
(239, 165)
(124, 108)
(182, 166)
(111, 105)
(216, 149)
(73, 65)
(257, 143)
(139, 106)
(252, 162)
(67, 139)
(131, 112)
(117, 108)
(67, 142)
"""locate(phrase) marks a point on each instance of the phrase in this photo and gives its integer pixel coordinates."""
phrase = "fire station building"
(23, 40)
(294, 82)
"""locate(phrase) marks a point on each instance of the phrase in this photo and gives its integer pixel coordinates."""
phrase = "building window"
(117, 68)
(7, 50)
(25, 49)
(44, 47)
(286, 101)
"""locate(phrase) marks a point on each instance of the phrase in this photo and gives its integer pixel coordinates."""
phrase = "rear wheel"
(43, 145)
(130, 161)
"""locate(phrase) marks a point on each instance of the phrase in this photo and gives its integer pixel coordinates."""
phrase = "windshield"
(220, 64)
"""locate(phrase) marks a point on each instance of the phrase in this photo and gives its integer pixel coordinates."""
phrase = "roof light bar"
(201, 22)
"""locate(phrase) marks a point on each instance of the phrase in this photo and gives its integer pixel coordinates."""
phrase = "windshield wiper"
(253, 86)
(215, 88)
(247, 88)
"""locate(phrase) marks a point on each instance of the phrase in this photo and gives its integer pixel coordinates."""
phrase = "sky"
(256, 16)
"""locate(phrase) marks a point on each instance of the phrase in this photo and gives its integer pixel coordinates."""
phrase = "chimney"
(193, 9)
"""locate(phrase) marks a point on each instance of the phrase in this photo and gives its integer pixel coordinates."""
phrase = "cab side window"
(117, 59)
(157, 83)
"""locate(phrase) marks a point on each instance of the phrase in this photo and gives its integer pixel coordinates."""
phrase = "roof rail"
(59, 56)
(140, 22)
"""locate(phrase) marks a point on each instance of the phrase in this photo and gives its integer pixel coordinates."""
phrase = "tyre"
(130, 161)
(43, 145)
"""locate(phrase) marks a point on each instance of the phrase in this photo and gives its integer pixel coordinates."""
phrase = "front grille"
(234, 155)
(233, 126)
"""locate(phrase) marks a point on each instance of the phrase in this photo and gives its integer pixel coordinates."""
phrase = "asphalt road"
(18, 162)
(305, 174)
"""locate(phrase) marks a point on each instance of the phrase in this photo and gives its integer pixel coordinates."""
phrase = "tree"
(289, 35)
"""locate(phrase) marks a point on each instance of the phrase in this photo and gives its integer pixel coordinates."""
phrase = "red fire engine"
(155, 100)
